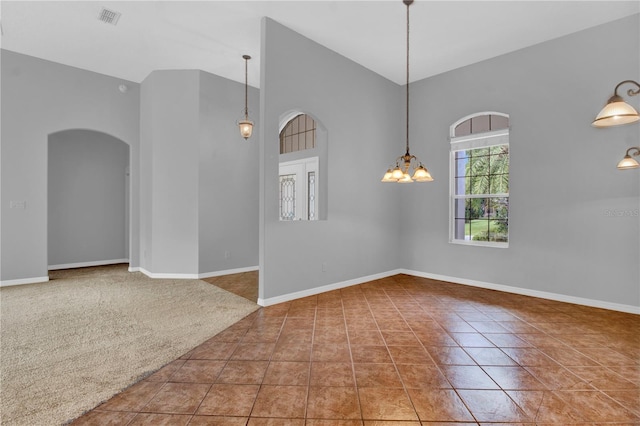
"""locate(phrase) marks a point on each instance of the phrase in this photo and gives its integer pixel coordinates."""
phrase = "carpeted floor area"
(73, 342)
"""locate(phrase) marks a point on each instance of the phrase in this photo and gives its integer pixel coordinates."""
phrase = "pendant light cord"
(246, 87)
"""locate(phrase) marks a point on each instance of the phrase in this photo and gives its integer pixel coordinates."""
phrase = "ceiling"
(213, 35)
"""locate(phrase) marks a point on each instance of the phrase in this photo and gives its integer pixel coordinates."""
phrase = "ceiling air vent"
(109, 16)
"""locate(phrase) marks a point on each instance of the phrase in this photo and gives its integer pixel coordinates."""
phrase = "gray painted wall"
(169, 141)
(563, 171)
(228, 177)
(199, 176)
(146, 170)
(40, 98)
(361, 113)
(88, 215)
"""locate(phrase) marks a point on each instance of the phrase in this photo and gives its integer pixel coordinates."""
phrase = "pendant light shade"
(245, 124)
(388, 176)
(617, 112)
(407, 163)
(422, 174)
(397, 174)
(246, 128)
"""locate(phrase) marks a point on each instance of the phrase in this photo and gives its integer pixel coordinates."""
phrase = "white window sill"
(480, 243)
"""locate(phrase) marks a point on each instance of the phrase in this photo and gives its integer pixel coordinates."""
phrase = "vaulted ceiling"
(213, 35)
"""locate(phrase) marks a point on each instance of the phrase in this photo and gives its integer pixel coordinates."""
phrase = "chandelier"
(407, 163)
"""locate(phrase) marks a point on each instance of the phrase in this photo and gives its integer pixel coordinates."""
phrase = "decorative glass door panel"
(298, 189)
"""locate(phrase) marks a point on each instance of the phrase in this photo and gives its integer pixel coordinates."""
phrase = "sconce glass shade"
(616, 113)
(628, 163)
(246, 128)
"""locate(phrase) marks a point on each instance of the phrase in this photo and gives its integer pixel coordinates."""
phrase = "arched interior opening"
(88, 199)
(302, 175)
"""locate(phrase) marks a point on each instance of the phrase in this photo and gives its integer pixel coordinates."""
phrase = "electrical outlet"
(227, 255)
(324, 266)
(18, 205)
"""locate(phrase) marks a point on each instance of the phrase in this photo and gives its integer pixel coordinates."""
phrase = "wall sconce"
(617, 111)
(245, 124)
(628, 162)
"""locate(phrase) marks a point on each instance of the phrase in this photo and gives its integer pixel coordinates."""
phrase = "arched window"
(298, 134)
(299, 169)
(480, 180)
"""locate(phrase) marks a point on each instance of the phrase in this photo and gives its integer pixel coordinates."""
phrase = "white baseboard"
(528, 292)
(7, 283)
(464, 281)
(228, 272)
(335, 286)
(164, 275)
(192, 276)
(87, 264)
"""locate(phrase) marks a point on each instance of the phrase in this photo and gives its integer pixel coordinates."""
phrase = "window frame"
(473, 141)
(289, 125)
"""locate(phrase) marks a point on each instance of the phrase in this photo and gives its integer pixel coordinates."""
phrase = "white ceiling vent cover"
(109, 16)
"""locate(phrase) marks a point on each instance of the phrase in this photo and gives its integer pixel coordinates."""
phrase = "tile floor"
(244, 284)
(400, 351)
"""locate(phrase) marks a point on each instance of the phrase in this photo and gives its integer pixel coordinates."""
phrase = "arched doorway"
(88, 199)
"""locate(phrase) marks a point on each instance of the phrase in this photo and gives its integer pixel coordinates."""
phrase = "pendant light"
(617, 111)
(245, 124)
(401, 172)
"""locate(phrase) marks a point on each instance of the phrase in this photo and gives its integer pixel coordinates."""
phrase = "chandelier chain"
(407, 109)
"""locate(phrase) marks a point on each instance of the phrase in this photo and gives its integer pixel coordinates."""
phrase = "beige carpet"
(71, 343)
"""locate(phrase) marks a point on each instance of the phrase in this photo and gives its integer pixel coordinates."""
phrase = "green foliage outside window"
(486, 173)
